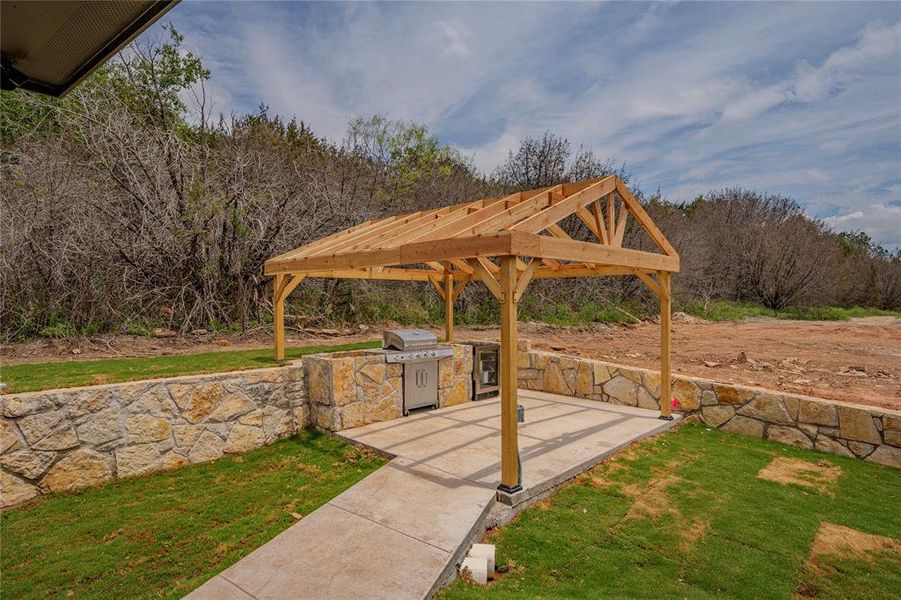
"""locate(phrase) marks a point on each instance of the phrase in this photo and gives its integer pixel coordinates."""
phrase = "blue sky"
(800, 99)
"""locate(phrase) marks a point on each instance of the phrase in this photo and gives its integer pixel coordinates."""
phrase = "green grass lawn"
(165, 534)
(685, 516)
(45, 376)
(723, 310)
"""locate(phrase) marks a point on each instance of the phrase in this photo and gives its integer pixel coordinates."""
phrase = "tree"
(549, 160)
(408, 161)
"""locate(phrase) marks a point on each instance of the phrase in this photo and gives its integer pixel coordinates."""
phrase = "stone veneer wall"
(350, 389)
(836, 427)
(60, 440)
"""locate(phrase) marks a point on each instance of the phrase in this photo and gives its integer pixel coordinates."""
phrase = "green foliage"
(856, 242)
(148, 79)
(43, 376)
(21, 114)
(165, 534)
(89, 329)
(151, 81)
(137, 326)
(408, 152)
(711, 527)
(56, 331)
(558, 314)
(615, 310)
(724, 310)
(291, 136)
(218, 326)
(56, 328)
(487, 312)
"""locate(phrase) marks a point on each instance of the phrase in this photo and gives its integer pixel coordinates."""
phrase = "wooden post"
(448, 307)
(278, 316)
(509, 428)
(665, 327)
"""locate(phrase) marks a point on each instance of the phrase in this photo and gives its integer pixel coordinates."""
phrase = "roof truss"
(461, 240)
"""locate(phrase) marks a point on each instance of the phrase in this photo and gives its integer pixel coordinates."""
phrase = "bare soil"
(820, 477)
(844, 542)
(854, 361)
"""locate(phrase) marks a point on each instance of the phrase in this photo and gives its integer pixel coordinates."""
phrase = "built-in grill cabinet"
(419, 352)
(486, 357)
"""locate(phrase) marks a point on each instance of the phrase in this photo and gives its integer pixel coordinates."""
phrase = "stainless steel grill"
(419, 352)
(408, 339)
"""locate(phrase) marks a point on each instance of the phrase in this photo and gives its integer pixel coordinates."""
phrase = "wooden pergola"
(503, 242)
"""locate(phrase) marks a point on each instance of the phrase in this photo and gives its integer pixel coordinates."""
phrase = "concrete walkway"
(401, 532)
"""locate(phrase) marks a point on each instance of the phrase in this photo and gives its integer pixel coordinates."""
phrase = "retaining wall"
(59, 440)
(836, 427)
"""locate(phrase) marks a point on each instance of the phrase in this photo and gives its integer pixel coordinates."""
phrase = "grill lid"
(408, 339)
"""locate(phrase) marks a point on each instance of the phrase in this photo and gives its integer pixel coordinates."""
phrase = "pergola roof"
(458, 243)
(459, 239)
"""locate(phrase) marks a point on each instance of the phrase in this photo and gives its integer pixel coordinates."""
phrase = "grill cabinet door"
(420, 384)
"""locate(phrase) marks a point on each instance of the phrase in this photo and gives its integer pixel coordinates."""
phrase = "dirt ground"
(855, 361)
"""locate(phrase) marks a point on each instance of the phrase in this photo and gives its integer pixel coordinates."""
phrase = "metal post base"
(509, 490)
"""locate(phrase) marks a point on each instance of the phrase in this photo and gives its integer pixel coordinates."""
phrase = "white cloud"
(649, 21)
(488, 156)
(456, 37)
(754, 102)
(801, 99)
(881, 221)
(878, 41)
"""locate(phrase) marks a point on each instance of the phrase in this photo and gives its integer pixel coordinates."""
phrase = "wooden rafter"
(554, 213)
(599, 222)
(644, 219)
(611, 215)
(446, 239)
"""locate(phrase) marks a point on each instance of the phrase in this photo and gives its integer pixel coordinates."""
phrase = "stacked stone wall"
(357, 388)
(836, 427)
(60, 440)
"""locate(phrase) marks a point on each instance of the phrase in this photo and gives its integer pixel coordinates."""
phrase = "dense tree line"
(128, 205)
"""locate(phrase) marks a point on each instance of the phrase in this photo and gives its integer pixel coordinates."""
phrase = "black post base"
(668, 418)
(509, 490)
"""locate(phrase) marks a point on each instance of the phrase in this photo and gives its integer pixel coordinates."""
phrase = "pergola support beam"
(284, 285)
(510, 475)
(448, 308)
(664, 278)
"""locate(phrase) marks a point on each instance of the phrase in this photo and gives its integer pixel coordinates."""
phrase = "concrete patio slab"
(219, 587)
(333, 553)
(419, 501)
(562, 436)
(401, 532)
